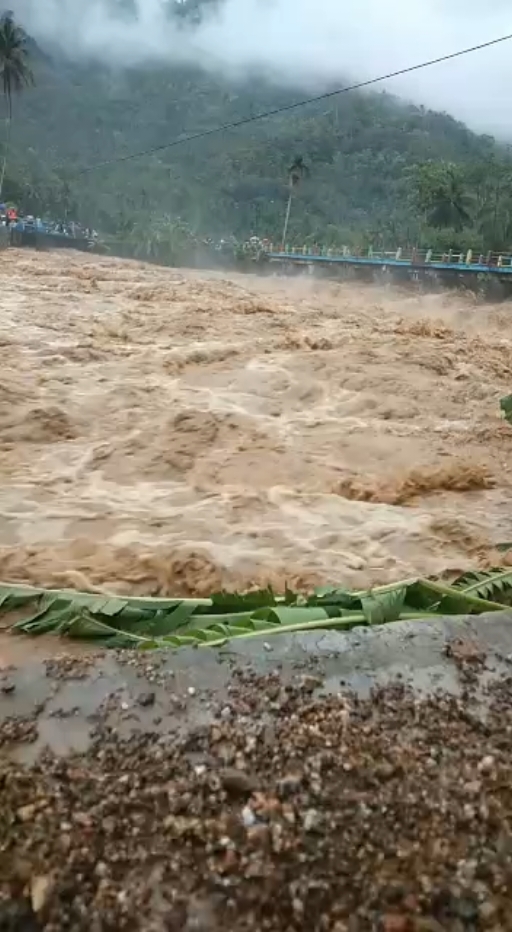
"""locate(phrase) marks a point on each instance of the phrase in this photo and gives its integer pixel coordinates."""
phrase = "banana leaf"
(150, 623)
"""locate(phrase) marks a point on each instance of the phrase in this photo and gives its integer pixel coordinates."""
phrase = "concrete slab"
(167, 692)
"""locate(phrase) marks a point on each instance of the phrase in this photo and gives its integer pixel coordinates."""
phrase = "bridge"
(413, 264)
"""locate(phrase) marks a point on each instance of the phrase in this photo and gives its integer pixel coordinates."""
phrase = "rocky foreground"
(289, 810)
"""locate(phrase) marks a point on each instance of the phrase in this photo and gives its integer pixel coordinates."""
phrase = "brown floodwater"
(173, 432)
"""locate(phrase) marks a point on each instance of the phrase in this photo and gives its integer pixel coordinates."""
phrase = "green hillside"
(363, 152)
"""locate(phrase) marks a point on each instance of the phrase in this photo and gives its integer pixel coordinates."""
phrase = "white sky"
(307, 41)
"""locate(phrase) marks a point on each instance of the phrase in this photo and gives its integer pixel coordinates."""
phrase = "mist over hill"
(362, 149)
(302, 44)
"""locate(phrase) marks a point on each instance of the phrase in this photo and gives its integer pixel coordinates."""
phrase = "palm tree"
(15, 72)
(450, 203)
(297, 171)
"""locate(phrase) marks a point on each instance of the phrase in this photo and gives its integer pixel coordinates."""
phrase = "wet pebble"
(146, 699)
(282, 816)
(236, 782)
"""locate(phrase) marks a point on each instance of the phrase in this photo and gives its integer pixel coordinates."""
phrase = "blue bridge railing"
(469, 262)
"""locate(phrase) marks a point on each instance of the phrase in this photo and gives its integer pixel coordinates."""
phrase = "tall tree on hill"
(297, 171)
(440, 193)
(15, 72)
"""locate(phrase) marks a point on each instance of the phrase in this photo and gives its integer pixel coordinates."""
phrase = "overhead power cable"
(182, 140)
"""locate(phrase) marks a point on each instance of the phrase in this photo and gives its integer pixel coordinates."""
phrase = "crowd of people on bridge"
(18, 222)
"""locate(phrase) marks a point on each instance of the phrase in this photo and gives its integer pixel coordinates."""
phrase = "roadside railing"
(415, 257)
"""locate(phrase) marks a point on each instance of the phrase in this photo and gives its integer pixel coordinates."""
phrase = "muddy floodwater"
(172, 432)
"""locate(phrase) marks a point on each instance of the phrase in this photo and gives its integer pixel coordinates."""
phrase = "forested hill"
(362, 151)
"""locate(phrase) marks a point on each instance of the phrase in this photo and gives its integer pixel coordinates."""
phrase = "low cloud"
(309, 44)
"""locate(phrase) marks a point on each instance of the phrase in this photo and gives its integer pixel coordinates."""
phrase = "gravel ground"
(288, 811)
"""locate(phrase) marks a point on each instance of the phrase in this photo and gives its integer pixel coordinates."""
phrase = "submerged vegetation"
(506, 408)
(172, 623)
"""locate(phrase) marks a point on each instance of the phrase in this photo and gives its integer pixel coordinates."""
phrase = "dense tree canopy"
(380, 171)
(15, 72)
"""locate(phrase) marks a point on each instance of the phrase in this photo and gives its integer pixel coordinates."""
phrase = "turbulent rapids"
(165, 432)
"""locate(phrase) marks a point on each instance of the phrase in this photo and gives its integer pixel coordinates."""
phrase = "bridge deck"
(474, 268)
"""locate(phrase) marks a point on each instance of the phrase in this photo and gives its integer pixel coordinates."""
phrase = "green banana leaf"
(172, 623)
